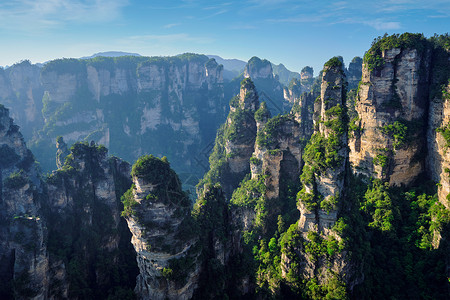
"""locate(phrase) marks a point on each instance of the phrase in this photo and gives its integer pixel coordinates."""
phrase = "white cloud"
(378, 24)
(171, 25)
(40, 14)
(382, 25)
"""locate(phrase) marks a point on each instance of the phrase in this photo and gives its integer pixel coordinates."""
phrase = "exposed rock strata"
(89, 243)
(166, 252)
(395, 92)
(23, 250)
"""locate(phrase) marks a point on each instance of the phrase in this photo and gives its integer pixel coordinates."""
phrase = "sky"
(295, 33)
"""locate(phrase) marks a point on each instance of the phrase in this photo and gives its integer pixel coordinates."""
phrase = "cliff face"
(235, 141)
(157, 212)
(323, 175)
(439, 159)
(354, 72)
(392, 108)
(368, 223)
(278, 154)
(132, 105)
(23, 251)
(88, 242)
(21, 91)
(257, 68)
(270, 89)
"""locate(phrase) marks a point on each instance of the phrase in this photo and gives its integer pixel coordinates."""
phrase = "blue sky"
(295, 33)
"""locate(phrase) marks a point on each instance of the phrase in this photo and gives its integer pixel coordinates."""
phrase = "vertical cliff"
(23, 249)
(325, 155)
(438, 133)
(270, 89)
(21, 91)
(354, 72)
(438, 120)
(235, 141)
(88, 242)
(392, 110)
(164, 237)
(133, 105)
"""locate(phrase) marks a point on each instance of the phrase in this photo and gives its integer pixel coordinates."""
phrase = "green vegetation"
(237, 128)
(16, 180)
(354, 127)
(390, 230)
(381, 159)
(307, 69)
(373, 57)
(323, 152)
(445, 132)
(263, 113)
(269, 136)
(92, 271)
(398, 131)
(250, 192)
(334, 62)
(153, 169)
(330, 203)
(256, 63)
(128, 203)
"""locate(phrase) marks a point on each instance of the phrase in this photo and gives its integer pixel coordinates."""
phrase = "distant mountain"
(230, 64)
(110, 54)
(232, 67)
(285, 76)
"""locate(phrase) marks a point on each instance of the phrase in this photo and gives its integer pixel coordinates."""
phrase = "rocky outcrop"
(257, 69)
(88, 241)
(61, 153)
(270, 90)
(320, 199)
(303, 111)
(157, 212)
(297, 87)
(132, 105)
(391, 111)
(21, 91)
(235, 141)
(354, 72)
(323, 176)
(23, 249)
(278, 154)
(439, 159)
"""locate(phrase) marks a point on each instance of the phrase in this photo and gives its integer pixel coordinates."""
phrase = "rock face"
(62, 238)
(323, 176)
(439, 159)
(278, 154)
(392, 102)
(61, 152)
(257, 68)
(157, 212)
(88, 241)
(365, 224)
(21, 91)
(303, 110)
(23, 250)
(298, 88)
(270, 89)
(235, 141)
(132, 105)
(354, 72)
